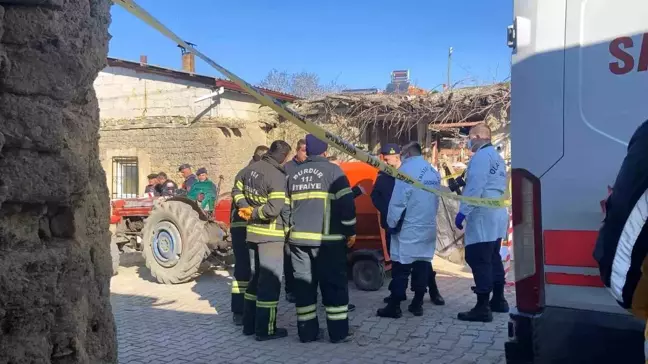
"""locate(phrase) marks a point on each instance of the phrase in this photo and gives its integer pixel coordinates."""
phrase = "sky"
(356, 43)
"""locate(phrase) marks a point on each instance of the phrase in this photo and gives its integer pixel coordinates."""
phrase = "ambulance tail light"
(527, 241)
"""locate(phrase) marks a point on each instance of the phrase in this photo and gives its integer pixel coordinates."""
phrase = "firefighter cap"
(184, 166)
(201, 171)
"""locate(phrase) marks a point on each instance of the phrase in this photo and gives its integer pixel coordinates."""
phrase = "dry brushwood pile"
(404, 111)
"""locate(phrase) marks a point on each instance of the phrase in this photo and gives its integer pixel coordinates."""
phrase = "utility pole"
(449, 67)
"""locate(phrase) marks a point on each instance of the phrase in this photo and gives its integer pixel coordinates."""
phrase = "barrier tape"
(299, 120)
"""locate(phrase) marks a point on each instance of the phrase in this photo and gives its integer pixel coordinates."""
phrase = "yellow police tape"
(299, 120)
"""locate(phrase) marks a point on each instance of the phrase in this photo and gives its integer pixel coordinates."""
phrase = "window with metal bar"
(125, 177)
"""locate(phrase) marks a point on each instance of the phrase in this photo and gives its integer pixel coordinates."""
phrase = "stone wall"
(221, 150)
(54, 244)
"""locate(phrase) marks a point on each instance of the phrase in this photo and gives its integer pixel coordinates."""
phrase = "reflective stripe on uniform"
(276, 195)
(314, 236)
(343, 192)
(310, 196)
(260, 212)
(249, 296)
(239, 185)
(306, 313)
(239, 286)
(349, 222)
(267, 304)
(265, 231)
(238, 197)
(335, 313)
(287, 200)
(238, 224)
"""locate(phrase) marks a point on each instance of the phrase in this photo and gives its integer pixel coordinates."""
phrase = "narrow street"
(191, 323)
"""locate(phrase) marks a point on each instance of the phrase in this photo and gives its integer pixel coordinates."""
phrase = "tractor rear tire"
(368, 274)
(174, 242)
(115, 255)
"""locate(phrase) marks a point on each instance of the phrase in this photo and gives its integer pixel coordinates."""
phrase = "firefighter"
(411, 218)
(622, 244)
(242, 270)
(150, 190)
(485, 227)
(322, 229)
(264, 189)
(300, 156)
(380, 196)
(189, 177)
(165, 187)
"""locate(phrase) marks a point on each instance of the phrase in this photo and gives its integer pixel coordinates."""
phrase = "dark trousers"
(324, 266)
(400, 275)
(262, 295)
(242, 269)
(486, 263)
(289, 276)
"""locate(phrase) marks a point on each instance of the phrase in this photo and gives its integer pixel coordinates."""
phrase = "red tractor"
(174, 234)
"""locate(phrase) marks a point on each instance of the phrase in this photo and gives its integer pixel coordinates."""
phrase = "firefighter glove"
(351, 241)
(245, 213)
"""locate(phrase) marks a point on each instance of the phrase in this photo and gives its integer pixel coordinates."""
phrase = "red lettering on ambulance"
(626, 61)
(643, 57)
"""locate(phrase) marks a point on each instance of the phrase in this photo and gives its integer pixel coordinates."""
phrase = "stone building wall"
(223, 151)
(55, 264)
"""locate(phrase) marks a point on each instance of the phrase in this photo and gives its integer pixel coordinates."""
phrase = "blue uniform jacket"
(381, 195)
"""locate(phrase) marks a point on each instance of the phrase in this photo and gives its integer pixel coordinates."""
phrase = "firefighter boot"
(435, 295)
(416, 307)
(480, 313)
(238, 319)
(392, 310)
(277, 334)
(498, 302)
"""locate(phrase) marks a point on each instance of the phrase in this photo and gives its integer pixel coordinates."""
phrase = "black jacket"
(263, 188)
(189, 181)
(322, 206)
(623, 237)
(381, 195)
(167, 188)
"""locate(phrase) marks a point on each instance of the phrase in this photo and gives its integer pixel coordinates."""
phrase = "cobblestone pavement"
(191, 323)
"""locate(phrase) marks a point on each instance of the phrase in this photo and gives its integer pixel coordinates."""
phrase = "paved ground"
(191, 323)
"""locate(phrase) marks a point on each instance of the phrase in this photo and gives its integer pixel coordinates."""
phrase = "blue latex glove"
(459, 219)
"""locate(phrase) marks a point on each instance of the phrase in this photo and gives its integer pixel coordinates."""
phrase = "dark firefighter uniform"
(264, 188)
(380, 196)
(289, 284)
(622, 244)
(242, 269)
(322, 217)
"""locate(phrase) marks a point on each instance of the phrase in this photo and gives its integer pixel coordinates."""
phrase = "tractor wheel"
(115, 255)
(368, 274)
(174, 242)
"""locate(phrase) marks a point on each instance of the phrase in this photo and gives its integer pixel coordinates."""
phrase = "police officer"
(189, 177)
(380, 196)
(485, 226)
(242, 269)
(264, 189)
(165, 187)
(322, 228)
(300, 157)
(411, 217)
(622, 244)
(150, 189)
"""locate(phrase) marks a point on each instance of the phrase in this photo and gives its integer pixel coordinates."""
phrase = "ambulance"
(579, 89)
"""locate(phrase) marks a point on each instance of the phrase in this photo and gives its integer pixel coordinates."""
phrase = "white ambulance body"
(579, 90)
